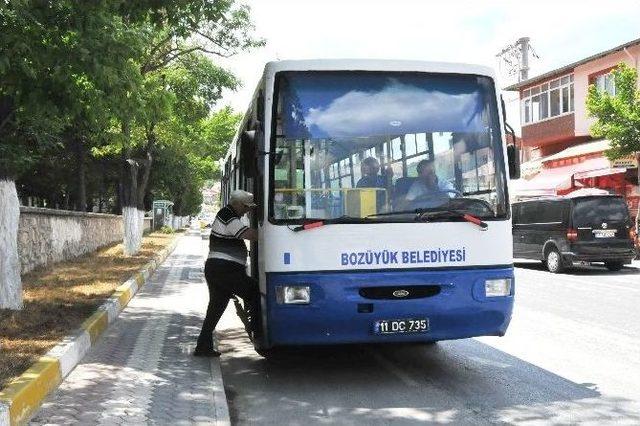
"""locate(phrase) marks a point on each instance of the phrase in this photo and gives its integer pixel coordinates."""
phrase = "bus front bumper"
(342, 310)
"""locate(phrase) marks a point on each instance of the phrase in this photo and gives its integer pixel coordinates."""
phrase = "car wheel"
(554, 261)
(614, 266)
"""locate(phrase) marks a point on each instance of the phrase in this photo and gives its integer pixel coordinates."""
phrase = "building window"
(547, 100)
(606, 83)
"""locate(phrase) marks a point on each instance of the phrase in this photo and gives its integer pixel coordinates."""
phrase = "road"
(572, 354)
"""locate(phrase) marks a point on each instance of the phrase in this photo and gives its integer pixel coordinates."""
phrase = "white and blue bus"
(383, 202)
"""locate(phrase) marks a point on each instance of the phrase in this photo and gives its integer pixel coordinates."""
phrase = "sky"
(464, 31)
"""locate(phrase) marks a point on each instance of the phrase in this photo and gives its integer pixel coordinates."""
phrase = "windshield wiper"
(321, 222)
(399, 212)
(426, 214)
(453, 213)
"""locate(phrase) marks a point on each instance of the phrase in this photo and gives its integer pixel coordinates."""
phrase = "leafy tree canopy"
(617, 116)
(76, 74)
(183, 167)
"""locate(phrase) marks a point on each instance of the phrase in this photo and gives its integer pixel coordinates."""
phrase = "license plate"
(419, 325)
(609, 233)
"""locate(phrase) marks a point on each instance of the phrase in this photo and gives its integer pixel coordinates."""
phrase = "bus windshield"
(372, 145)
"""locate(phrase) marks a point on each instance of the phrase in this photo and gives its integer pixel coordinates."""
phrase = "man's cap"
(243, 197)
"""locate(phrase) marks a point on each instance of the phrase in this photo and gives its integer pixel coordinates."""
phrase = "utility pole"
(513, 60)
(524, 55)
(516, 58)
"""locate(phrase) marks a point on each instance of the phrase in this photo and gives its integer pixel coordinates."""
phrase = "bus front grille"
(400, 292)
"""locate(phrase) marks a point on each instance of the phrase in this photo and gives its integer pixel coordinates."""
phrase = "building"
(555, 130)
(210, 202)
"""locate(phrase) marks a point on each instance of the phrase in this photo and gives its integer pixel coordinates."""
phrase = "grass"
(59, 298)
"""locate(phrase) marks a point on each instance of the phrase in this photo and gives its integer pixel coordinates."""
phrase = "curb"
(219, 395)
(22, 397)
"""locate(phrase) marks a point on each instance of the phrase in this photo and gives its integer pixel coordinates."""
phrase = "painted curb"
(4, 414)
(22, 397)
(219, 394)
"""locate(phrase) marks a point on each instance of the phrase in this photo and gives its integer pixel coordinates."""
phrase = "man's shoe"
(212, 353)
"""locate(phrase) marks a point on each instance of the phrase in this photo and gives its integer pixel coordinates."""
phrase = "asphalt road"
(571, 355)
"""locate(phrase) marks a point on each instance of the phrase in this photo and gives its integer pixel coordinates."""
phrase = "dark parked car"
(562, 230)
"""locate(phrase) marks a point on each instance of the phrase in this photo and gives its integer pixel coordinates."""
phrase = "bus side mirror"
(248, 152)
(249, 138)
(513, 158)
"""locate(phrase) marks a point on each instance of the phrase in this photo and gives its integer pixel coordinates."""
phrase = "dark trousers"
(225, 279)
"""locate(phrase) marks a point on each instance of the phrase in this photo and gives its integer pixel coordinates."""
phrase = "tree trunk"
(132, 231)
(81, 160)
(6, 112)
(10, 281)
(135, 187)
(130, 212)
(131, 219)
(142, 189)
(144, 181)
(146, 163)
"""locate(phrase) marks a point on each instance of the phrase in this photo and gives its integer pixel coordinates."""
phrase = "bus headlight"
(294, 294)
(497, 287)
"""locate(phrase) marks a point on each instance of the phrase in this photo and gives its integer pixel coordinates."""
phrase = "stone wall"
(47, 236)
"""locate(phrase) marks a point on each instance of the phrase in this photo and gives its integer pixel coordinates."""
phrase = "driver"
(428, 183)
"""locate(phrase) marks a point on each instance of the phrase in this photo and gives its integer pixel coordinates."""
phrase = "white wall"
(48, 236)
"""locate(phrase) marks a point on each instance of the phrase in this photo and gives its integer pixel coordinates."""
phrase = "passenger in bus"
(428, 183)
(225, 267)
(371, 179)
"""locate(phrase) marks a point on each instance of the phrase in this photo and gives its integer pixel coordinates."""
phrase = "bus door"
(254, 182)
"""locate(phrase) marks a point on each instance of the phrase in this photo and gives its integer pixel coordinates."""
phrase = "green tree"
(58, 61)
(184, 166)
(217, 132)
(618, 116)
(80, 77)
(181, 35)
(39, 69)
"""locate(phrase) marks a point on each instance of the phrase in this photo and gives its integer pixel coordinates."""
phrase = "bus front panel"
(348, 307)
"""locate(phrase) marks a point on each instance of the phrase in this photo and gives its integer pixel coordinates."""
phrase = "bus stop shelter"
(162, 213)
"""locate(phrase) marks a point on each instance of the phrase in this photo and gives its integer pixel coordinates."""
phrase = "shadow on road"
(456, 382)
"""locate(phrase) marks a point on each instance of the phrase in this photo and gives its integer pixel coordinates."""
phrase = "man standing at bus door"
(225, 268)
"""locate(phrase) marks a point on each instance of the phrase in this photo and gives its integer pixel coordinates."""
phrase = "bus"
(384, 213)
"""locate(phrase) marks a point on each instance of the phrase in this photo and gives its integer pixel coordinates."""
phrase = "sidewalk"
(142, 370)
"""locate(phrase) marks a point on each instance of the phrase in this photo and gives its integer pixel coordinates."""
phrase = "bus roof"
(377, 65)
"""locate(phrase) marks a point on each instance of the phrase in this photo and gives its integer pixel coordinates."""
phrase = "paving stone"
(141, 371)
